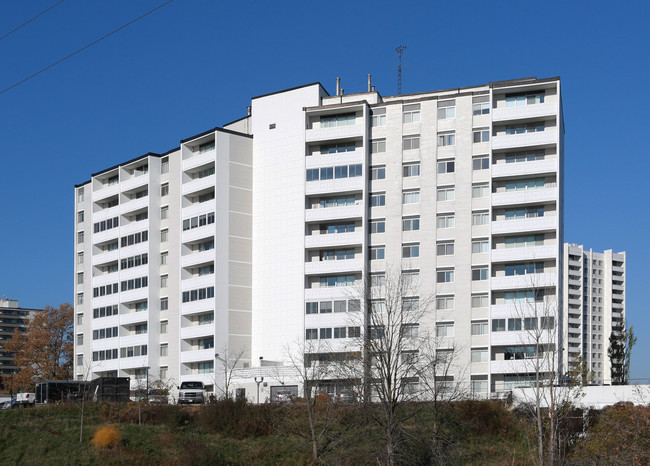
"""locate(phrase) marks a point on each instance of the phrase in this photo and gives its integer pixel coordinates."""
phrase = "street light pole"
(258, 380)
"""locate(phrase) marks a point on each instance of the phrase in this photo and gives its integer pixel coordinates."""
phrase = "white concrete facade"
(463, 188)
(594, 297)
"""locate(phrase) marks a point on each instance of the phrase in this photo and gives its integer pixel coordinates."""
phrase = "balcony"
(105, 257)
(137, 362)
(201, 257)
(618, 288)
(330, 293)
(194, 282)
(105, 191)
(134, 340)
(197, 159)
(135, 317)
(335, 186)
(135, 182)
(199, 233)
(525, 111)
(197, 331)
(134, 295)
(198, 184)
(106, 235)
(337, 132)
(100, 213)
(332, 160)
(135, 204)
(515, 366)
(333, 266)
(197, 307)
(197, 355)
(537, 167)
(525, 254)
(512, 141)
(525, 225)
(528, 281)
(334, 239)
(334, 213)
(525, 196)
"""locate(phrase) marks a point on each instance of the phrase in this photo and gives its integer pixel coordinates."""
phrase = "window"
(525, 128)
(80, 298)
(378, 117)
(80, 278)
(377, 279)
(445, 194)
(80, 216)
(135, 238)
(480, 218)
(378, 173)
(80, 360)
(164, 165)
(325, 333)
(514, 324)
(163, 281)
(524, 269)
(531, 212)
(377, 200)
(164, 304)
(331, 121)
(445, 330)
(481, 135)
(446, 109)
(446, 166)
(206, 147)
(164, 256)
(525, 98)
(411, 224)
(445, 248)
(524, 241)
(80, 339)
(325, 307)
(522, 297)
(411, 113)
(479, 355)
(411, 278)
(481, 105)
(340, 306)
(354, 305)
(377, 146)
(311, 308)
(411, 169)
(113, 180)
(524, 157)
(480, 246)
(445, 276)
(530, 323)
(480, 163)
(198, 294)
(479, 273)
(479, 328)
(480, 190)
(411, 250)
(444, 303)
(80, 319)
(498, 325)
(164, 212)
(446, 139)
(523, 185)
(336, 281)
(410, 304)
(410, 330)
(479, 301)
(377, 253)
(164, 189)
(377, 226)
(410, 142)
(340, 332)
(410, 197)
(80, 195)
(548, 323)
(80, 237)
(445, 221)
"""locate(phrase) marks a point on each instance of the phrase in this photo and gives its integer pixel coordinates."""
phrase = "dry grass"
(106, 437)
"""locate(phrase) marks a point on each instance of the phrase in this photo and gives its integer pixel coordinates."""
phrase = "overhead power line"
(84, 47)
(30, 20)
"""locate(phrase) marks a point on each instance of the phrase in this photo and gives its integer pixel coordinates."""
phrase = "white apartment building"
(163, 262)
(459, 188)
(594, 297)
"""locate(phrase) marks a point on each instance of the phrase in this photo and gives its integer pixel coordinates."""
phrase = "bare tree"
(403, 361)
(315, 365)
(229, 361)
(536, 318)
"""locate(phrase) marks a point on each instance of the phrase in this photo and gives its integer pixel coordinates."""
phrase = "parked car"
(8, 404)
(283, 396)
(346, 396)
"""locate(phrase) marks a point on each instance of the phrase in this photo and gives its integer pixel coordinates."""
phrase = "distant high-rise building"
(594, 297)
(12, 318)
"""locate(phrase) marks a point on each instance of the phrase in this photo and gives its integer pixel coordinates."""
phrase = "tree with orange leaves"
(44, 350)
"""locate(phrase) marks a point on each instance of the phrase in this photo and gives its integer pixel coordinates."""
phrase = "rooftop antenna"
(400, 51)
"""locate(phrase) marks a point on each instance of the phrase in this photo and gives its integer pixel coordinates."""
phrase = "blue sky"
(194, 64)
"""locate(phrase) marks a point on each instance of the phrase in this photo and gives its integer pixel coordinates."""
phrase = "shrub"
(237, 419)
(106, 437)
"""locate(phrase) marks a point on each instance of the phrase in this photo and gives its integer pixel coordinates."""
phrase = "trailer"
(113, 389)
(57, 391)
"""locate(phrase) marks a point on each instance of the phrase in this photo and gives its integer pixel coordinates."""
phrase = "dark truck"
(115, 389)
